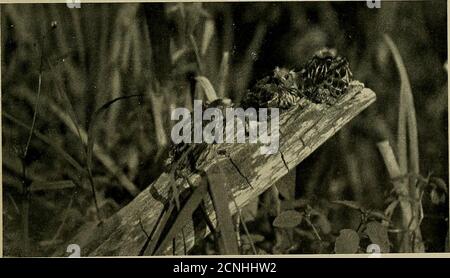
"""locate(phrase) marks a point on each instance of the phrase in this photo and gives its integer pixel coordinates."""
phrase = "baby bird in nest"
(323, 79)
(279, 90)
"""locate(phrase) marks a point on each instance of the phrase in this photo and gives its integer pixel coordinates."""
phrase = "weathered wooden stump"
(248, 174)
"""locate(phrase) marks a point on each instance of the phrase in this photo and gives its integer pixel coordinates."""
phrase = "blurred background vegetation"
(66, 63)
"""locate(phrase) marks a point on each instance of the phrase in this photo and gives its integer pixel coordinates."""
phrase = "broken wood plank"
(249, 173)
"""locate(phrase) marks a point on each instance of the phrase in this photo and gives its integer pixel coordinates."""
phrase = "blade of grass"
(51, 185)
(198, 57)
(242, 221)
(79, 37)
(113, 113)
(92, 128)
(245, 68)
(207, 87)
(223, 74)
(36, 107)
(67, 104)
(158, 27)
(25, 181)
(48, 141)
(207, 35)
(26, 225)
(157, 102)
(65, 217)
(99, 152)
(406, 111)
(137, 50)
(401, 189)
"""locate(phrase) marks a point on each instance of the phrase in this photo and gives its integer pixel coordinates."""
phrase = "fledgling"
(325, 77)
(279, 90)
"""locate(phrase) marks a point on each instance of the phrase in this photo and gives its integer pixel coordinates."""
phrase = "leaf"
(286, 186)
(183, 216)
(158, 102)
(251, 238)
(439, 183)
(390, 161)
(198, 57)
(436, 198)
(219, 194)
(378, 235)
(223, 73)
(91, 140)
(323, 224)
(349, 204)
(95, 118)
(51, 185)
(35, 112)
(67, 104)
(347, 242)
(402, 114)
(207, 35)
(207, 88)
(250, 211)
(406, 112)
(288, 219)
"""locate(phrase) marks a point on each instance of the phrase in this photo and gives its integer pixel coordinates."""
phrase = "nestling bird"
(325, 77)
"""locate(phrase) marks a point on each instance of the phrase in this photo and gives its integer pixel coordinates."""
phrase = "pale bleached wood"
(302, 130)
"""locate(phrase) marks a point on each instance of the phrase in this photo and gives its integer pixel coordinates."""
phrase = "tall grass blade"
(48, 141)
(223, 74)
(245, 68)
(35, 113)
(157, 102)
(91, 140)
(67, 104)
(244, 225)
(402, 190)
(99, 152)
(198, 57)
(406, 111)
(94, 121)
(207, 35)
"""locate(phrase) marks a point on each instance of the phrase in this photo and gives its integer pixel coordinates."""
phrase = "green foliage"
(377, 234)
(347, 242)
(288, 219)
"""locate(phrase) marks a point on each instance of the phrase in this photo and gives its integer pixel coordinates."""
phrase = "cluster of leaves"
(349, 241)
(301, 228)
